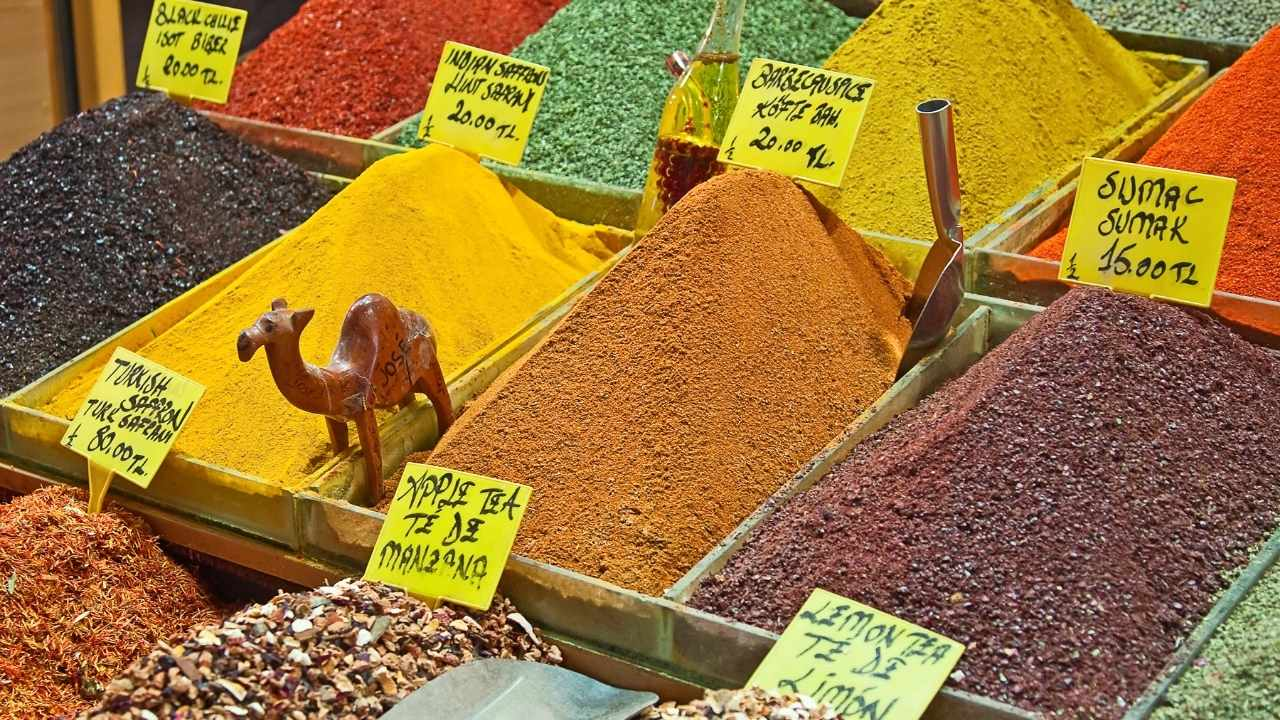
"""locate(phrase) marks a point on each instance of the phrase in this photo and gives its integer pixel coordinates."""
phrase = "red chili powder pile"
(1231, 131)
(81, 597)
(354, 67)
(746, 330)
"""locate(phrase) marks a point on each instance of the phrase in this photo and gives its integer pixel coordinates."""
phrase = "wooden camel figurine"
(384, 356)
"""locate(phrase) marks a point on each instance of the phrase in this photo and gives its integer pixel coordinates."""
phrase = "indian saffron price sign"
(132, 416)
(862, 662)
(448, 534)
(1148, 230)
(190, 49)
(795, 120)
(483, 102)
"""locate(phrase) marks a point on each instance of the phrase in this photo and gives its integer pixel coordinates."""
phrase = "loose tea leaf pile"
(350, 650)
(81, 597)
(120, 209)
(1067, 508)
(745, 704)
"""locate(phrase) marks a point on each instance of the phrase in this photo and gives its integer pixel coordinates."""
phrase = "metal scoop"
(940, 286)
(497, 689)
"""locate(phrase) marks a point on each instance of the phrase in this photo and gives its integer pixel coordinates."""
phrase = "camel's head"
(276, 324)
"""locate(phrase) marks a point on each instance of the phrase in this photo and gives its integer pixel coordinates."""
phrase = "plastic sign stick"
(1148, 230)
(483, 103)
(129, 421)
(860, 661)
(190, 49)
(448, 534)
(797, 121)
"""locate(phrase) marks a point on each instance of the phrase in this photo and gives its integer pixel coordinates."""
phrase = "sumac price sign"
(1148, 230)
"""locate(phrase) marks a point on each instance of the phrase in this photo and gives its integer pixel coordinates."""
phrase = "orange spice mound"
(81, 597)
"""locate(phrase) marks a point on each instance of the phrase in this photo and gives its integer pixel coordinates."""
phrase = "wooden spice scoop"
(384, 356)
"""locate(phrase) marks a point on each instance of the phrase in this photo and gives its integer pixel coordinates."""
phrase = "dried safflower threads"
(349, 650)
(1066, 508)
(120, 209)
(731, 345)
(81, 597)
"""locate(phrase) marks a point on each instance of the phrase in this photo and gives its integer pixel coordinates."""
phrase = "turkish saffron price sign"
(862, 662)
(128, 423)
(483, 102)
(798, 121)
(190, 49)
(1148, 230)
(448, 534)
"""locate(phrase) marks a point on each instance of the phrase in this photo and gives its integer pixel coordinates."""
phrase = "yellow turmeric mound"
(433, 231)
(1036, 85)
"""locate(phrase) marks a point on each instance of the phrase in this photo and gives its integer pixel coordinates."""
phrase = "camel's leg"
(432, 385)
(371, 494)
(337, 433)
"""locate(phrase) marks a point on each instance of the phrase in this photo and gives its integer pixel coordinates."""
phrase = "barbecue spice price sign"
(448, 534)
(1148, 230)
(190, 49)
(862, 662)
(795, 120)
(483, 103)
(130, 421)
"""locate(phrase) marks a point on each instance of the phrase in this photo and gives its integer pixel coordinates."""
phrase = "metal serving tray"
(222, 496)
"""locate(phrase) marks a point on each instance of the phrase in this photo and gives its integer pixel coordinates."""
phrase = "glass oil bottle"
(695, 117)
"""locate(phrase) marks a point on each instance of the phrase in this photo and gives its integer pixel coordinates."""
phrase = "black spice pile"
(350, 650)
(120, 209)
(1067, 508)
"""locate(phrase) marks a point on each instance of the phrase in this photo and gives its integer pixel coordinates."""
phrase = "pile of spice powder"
(741, 335)
(354, 67)
(609, 77)
(1036, 86)
(747, 704)
(119, 210)
(433, 231)
(1242, 21)
(1066, 508)
(1229, 132)
(1237, 677)
(349, 650)
(81, 597)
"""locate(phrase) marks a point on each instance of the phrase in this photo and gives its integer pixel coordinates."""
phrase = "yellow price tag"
(1148, 230)
(448, 534)
(190, 49)
(483, 102)
(798, 121)
(132, 416)
(860, 661)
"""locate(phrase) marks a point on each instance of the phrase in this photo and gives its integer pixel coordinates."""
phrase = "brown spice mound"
(746, 704)
(741, 335)
(1068, 508)
(349, 650)
(81, 597)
